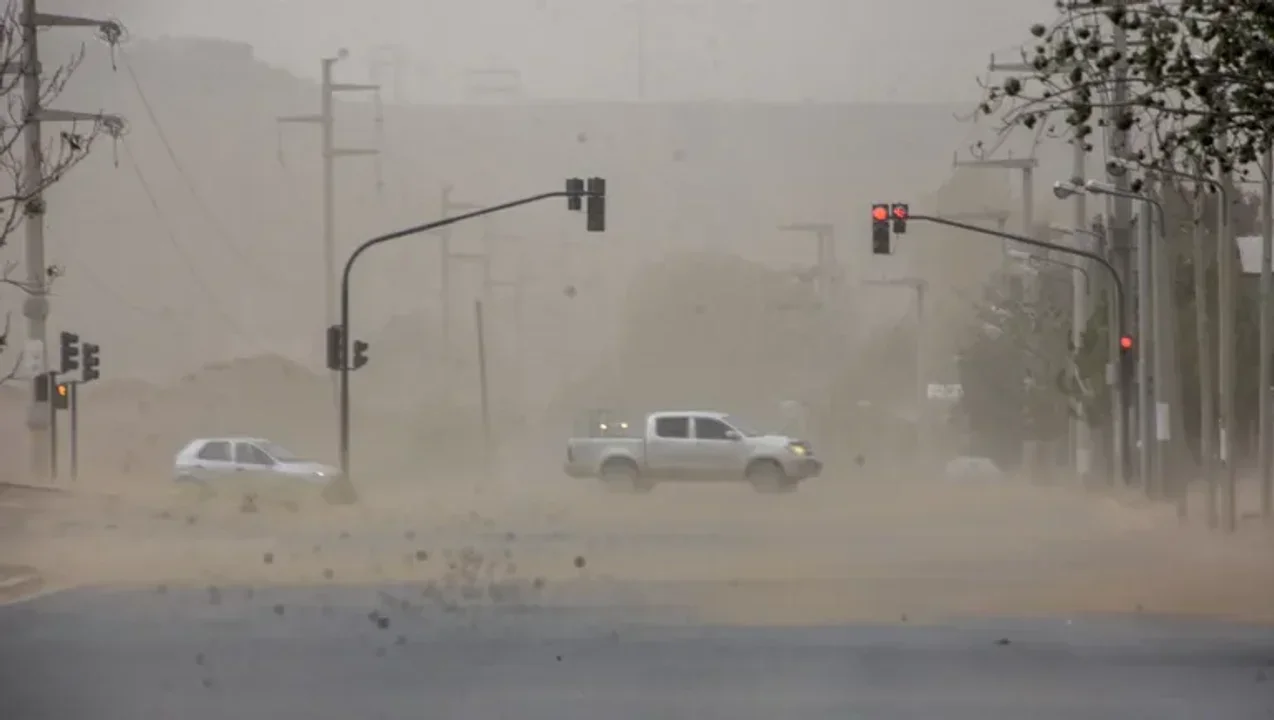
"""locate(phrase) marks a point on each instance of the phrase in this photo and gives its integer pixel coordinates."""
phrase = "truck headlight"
(797, 449)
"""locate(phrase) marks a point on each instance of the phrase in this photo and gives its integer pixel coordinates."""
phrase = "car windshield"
(741, 426)
(279, 453)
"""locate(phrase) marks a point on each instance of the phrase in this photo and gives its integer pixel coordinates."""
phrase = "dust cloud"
(193, 256)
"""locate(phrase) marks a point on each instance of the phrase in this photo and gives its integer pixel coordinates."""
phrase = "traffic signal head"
(900, 212)
(91, 363)
(70, 355)
(1125, 344)
(575, 194)
(41, 386)
(360, 354)
(335, 347)
(61, 396)
(596, 204)
(880, 239)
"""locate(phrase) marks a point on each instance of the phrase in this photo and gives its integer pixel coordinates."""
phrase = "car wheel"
(193, 489)
(623, 476)
(766, 476)
(340, 492)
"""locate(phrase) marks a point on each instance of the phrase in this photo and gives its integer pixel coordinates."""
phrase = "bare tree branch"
(58, 154)
(1196, 71)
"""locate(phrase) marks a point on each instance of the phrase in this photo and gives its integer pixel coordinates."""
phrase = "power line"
(179, 248)
(210, 216)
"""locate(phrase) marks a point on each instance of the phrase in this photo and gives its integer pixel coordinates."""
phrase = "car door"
(213, 462)
(719, 453)
(253, 468)
(668, 447)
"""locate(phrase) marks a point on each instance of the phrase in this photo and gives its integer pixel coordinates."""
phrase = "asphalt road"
(393, 652)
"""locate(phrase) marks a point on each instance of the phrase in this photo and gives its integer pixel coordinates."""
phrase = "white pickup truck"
(689, 446)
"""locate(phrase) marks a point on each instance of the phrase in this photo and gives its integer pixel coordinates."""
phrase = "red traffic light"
(1125, 343)
(62, 389)
(901, 212)
(880, 213)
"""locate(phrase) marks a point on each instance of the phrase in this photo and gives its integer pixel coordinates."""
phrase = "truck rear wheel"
(623, 476)
(766, 476)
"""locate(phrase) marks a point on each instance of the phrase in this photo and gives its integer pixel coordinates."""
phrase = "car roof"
(697, 413)
(232, 438)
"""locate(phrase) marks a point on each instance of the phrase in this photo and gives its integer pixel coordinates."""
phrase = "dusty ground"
(870, 549)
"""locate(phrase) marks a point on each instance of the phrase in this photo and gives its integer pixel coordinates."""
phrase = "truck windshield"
(741, 426)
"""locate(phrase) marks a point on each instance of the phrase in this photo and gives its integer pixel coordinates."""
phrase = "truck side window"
(672, 427)
(710, 429)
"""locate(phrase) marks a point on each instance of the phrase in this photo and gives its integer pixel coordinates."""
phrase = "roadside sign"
(945, 391)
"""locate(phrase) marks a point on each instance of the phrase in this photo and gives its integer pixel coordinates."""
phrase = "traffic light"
(575, 194)
(596, 204)
(900, 212)
(1127, 360)
(61, 396)
(70, 352)
(335, 347)
(880, 240)
(41, 385)
(360, 354)
(91, 362)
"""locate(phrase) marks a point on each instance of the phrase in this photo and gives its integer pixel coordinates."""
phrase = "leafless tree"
(59, 154)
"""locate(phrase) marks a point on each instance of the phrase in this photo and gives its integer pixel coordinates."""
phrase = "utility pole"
(484, 396)
(1203, 333)
(1267, 331)
(393, 58)
(826, 271)
(1226, 280)
(1080, 432)
(1160, 344)
(1121, 220)
(921, 288)
(34, 208)
(1027, 167)
(449, 208)
(326, 121)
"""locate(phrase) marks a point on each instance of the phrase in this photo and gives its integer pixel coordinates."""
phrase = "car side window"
(710, 429)
(672, 427)
(249, 454)
(214, 452)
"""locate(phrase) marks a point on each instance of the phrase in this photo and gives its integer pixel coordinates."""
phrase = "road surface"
(845, 600)
(384, 652)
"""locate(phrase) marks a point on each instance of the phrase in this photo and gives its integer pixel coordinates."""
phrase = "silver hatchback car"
(257, 469)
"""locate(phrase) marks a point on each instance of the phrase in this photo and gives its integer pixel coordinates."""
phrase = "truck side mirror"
(733, 435)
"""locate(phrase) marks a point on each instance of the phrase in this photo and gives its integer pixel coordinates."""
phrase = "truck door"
(669, 446)
(718, 454)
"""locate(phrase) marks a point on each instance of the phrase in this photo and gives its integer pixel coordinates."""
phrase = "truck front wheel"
(623, 476)
(766, 476)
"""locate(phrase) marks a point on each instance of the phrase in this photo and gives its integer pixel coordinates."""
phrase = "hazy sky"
(909, 50)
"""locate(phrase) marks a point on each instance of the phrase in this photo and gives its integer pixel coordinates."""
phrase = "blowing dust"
(445, 505)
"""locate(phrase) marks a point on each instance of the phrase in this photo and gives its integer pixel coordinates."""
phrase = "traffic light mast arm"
(573, 192)
(1110, 269)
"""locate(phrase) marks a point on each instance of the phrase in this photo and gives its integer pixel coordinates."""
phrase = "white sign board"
(33, 359)
(945, 391)
(1249, 254)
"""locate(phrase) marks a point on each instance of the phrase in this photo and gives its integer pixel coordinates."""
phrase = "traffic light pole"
(572, 195)
(53, 427)
(1094, 257)
(73, 403)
